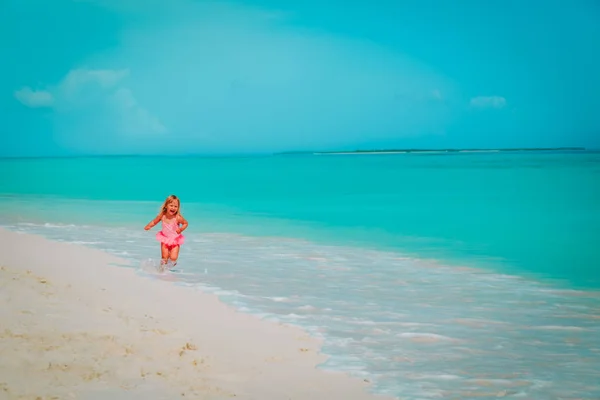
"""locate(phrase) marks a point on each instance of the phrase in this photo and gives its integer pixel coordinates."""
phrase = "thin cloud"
(488, 102)
(135, 118)
(76, 79)
(34, 98)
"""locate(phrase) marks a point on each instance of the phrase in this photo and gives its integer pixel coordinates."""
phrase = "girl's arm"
(183, 222)
(152, 223)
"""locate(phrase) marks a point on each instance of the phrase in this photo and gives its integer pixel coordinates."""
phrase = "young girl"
(170, 236)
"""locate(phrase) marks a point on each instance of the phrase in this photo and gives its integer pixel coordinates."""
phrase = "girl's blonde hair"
(168, 201)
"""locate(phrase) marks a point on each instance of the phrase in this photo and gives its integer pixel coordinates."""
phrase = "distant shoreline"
(405, 151)
(306, 152)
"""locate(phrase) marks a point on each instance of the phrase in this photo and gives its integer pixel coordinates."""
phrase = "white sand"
(74, 327)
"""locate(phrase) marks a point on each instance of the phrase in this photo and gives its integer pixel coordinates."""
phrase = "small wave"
(558, 328)
(444, 377)
(278, 299)
(425, 337)
(294, 316)
(415, 324)
(47, 225)
(307, 308)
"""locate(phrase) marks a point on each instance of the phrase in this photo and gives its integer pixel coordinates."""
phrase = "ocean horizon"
(375, 150)
(424, 273)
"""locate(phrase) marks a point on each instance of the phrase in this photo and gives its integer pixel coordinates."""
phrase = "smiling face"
(172, 208)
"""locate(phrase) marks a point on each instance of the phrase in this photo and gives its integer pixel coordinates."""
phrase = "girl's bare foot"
(163, 265)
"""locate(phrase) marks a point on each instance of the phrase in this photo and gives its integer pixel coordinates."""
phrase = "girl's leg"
(164, 254)
(174, 255)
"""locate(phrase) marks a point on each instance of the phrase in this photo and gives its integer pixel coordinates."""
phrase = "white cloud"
(76, 79)
(86, 89)
(34, 98)
(135, 118)
(488, 102)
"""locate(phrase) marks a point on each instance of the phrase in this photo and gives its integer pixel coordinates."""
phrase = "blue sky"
(186, 76)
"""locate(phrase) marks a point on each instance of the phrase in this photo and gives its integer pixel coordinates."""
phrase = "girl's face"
(172, 207)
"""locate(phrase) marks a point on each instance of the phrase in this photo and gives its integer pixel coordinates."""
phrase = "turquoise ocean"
(432, 275)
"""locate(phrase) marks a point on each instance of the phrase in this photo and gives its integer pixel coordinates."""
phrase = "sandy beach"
(75, 326)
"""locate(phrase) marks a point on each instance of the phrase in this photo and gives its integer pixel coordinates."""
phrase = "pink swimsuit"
(168, 234)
